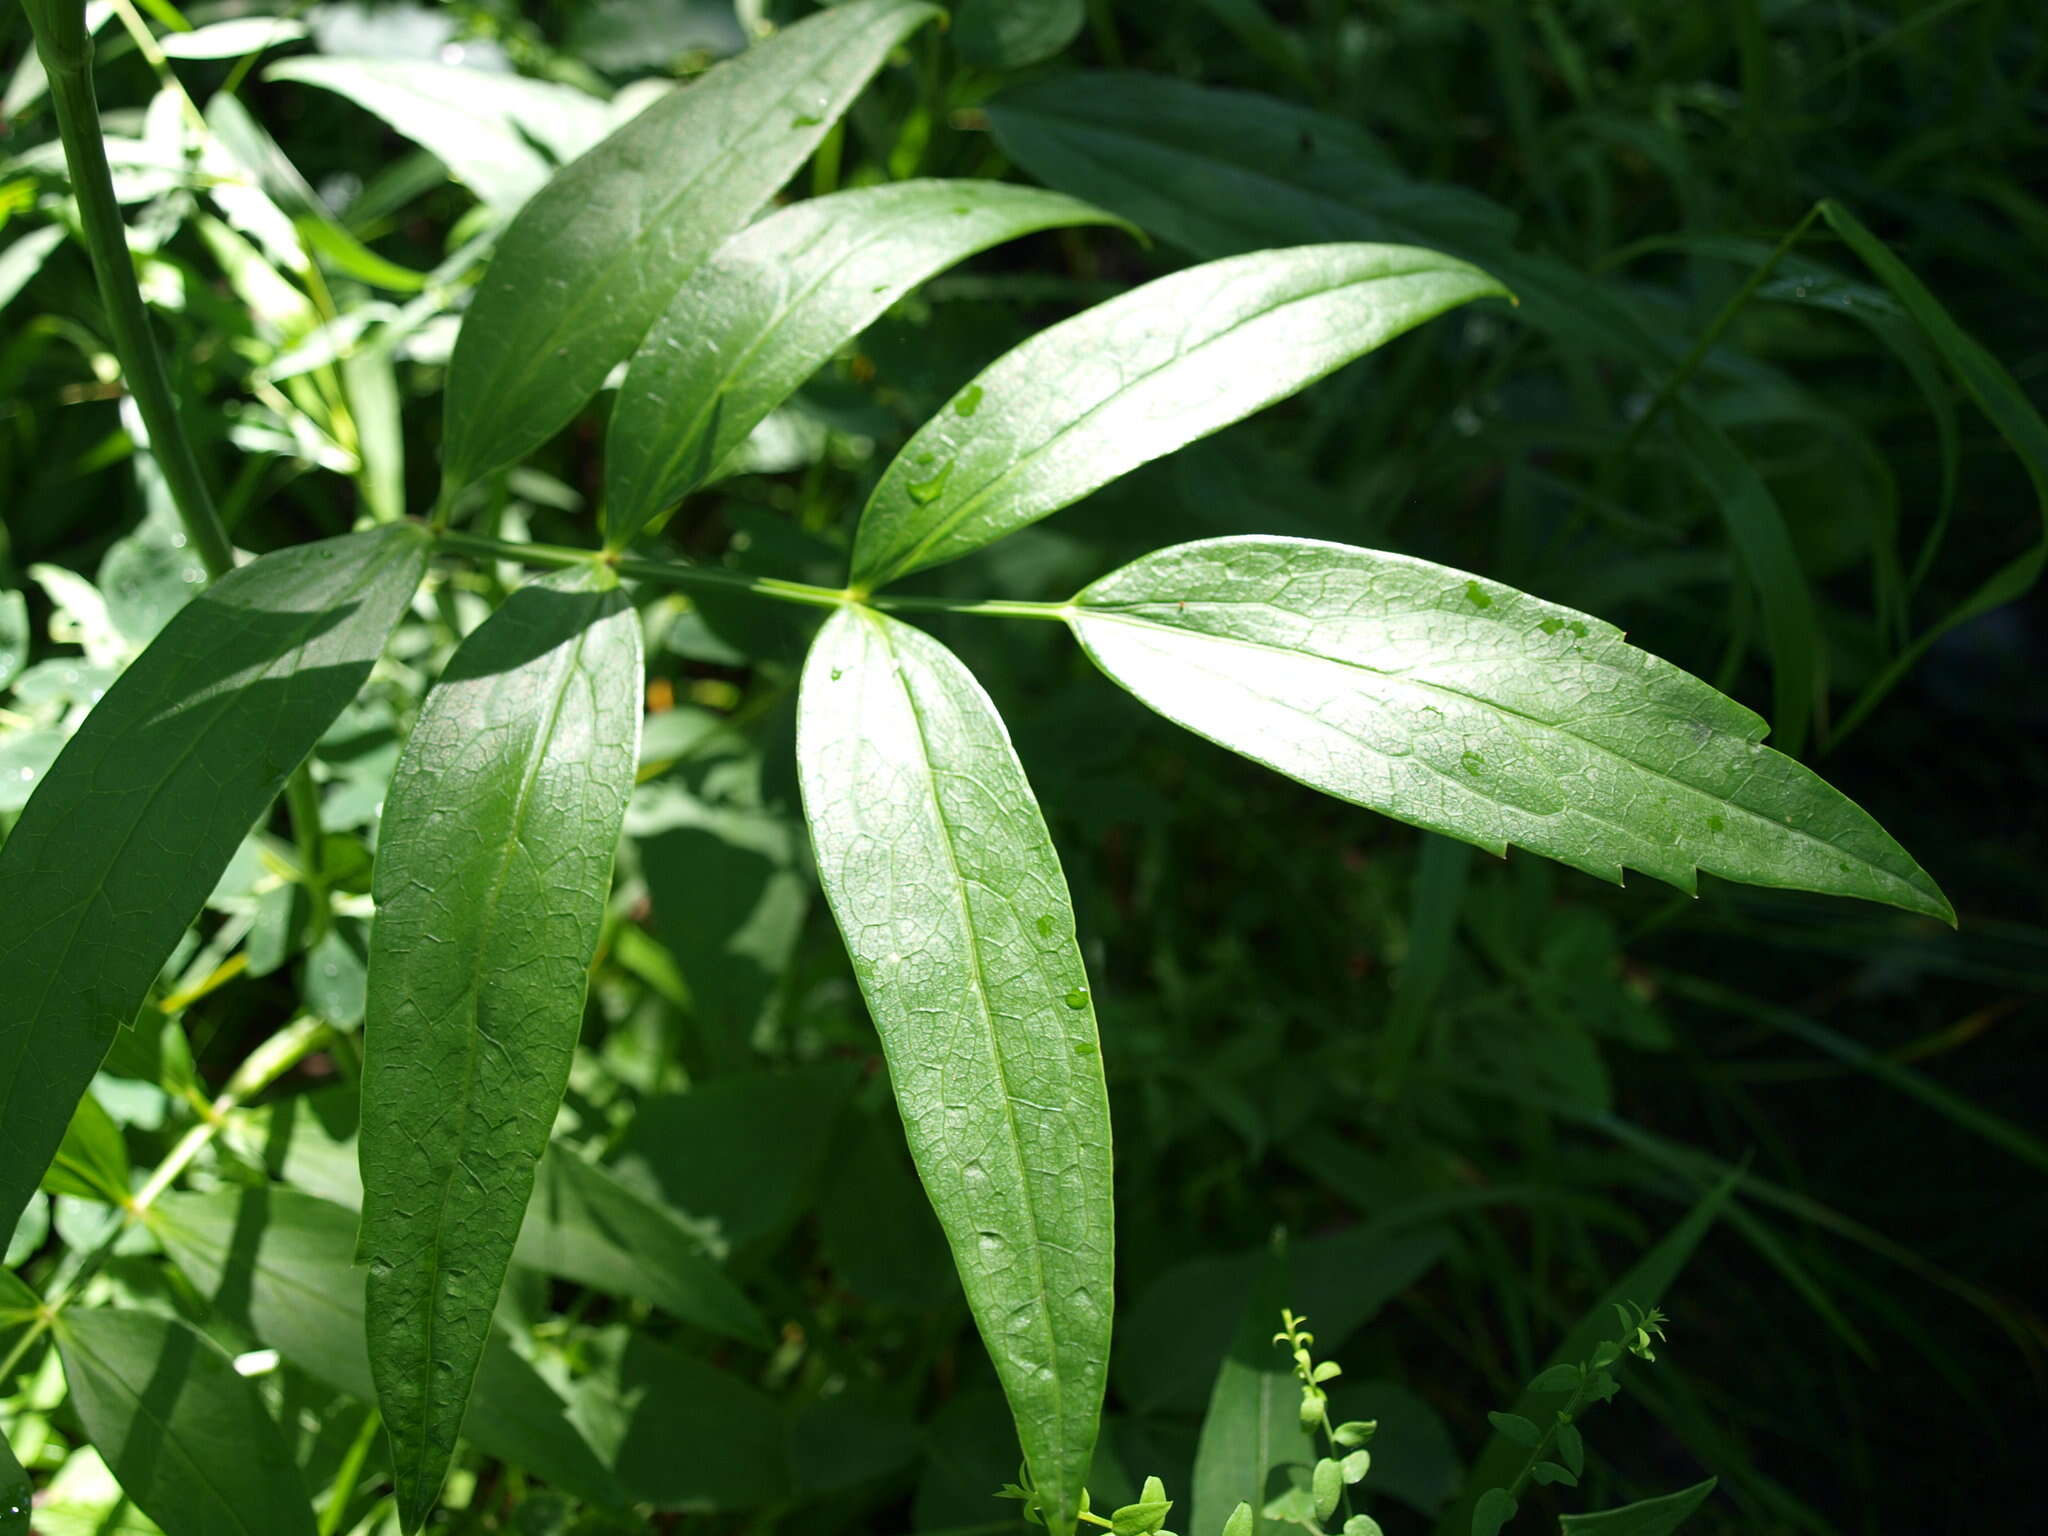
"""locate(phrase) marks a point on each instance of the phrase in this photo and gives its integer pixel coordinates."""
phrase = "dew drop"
(1084, 1048)
(1716, 824)
(925, 492)
(27, 774)
(837, 673)
(969, 401)
(805, 120)
(1077, 997)
(1044, 926)
(1477, 598)
(1579, 629)
(1551, 626)
(1472, 762)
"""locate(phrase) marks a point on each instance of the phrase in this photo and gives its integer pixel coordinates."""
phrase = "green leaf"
(16, 1496)
(483, 125)
(1561, 1377)
(1650, 1517)
(1251, 1425)
(1516, 1428)
(939, 869)
(1327, 1483)
(493, 863)
(1477, 711)
(1240, 1521)
(91, 1161)
(772, 306)
(1008, 34)
(586, 1226)
(590, 261)
(1495, 1509)
(124, 838)
(14, 636)
(1135, 378)
(280, 1263)
(188, 1439)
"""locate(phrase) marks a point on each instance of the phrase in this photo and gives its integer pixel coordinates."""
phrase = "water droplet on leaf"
(924, 492)
(1478, 598)
(969, 401)
(1077, 997)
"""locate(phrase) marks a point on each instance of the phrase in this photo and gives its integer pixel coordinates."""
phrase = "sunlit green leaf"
(190, 1441)
(946, 887)
(590, 261)
(125, 836)
(493, 863)
(1480, 712)
(1130, 380)
(773, 305)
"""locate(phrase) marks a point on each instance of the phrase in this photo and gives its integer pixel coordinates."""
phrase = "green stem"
(1689, 365)
(302, 801)
(68, 63)
(673, 573)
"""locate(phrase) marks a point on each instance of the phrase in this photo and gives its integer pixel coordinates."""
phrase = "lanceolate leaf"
(1123, 383)
(1649, 1517)
(945, 884)
(1254, 1420)
(189, 1440)
(1477, 711)
(773, 305)
(595, 255)
(278, 1263)
(130, 828)
(1008, 34)
(492, 868)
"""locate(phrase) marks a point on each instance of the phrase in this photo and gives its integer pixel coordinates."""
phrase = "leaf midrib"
(1030, 351)
(1081, 613)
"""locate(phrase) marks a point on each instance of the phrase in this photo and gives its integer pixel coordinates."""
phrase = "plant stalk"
(67, 60)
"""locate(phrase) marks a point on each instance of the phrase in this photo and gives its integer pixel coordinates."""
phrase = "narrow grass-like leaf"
(2001, 399)
(189, 1440)
(773, 305)
(16, 1496)
(1474, 710)
(492, 868)
(278, 1262)
(946, 887)
(1756, 527)
(1128, 381)
(1648, 1517)
(597, 254)
(124, 838)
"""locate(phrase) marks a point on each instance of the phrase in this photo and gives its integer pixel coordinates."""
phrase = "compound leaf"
(597, 253)
(1135, 378)
(492, 869)
(773, 305)
(123, 840)
(946, 887)
(188, 1440)
(1480, 712)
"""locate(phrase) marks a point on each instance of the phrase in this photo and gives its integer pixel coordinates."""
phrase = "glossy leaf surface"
(946, 887)
(280, 1263)
(1135, 378)
(493, 864)
(1480, 712)
(122, 842)
(189, 1440)
(596, 255)
(773, 305)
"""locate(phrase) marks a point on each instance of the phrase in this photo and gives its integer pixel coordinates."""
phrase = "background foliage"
(1472, 1093)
